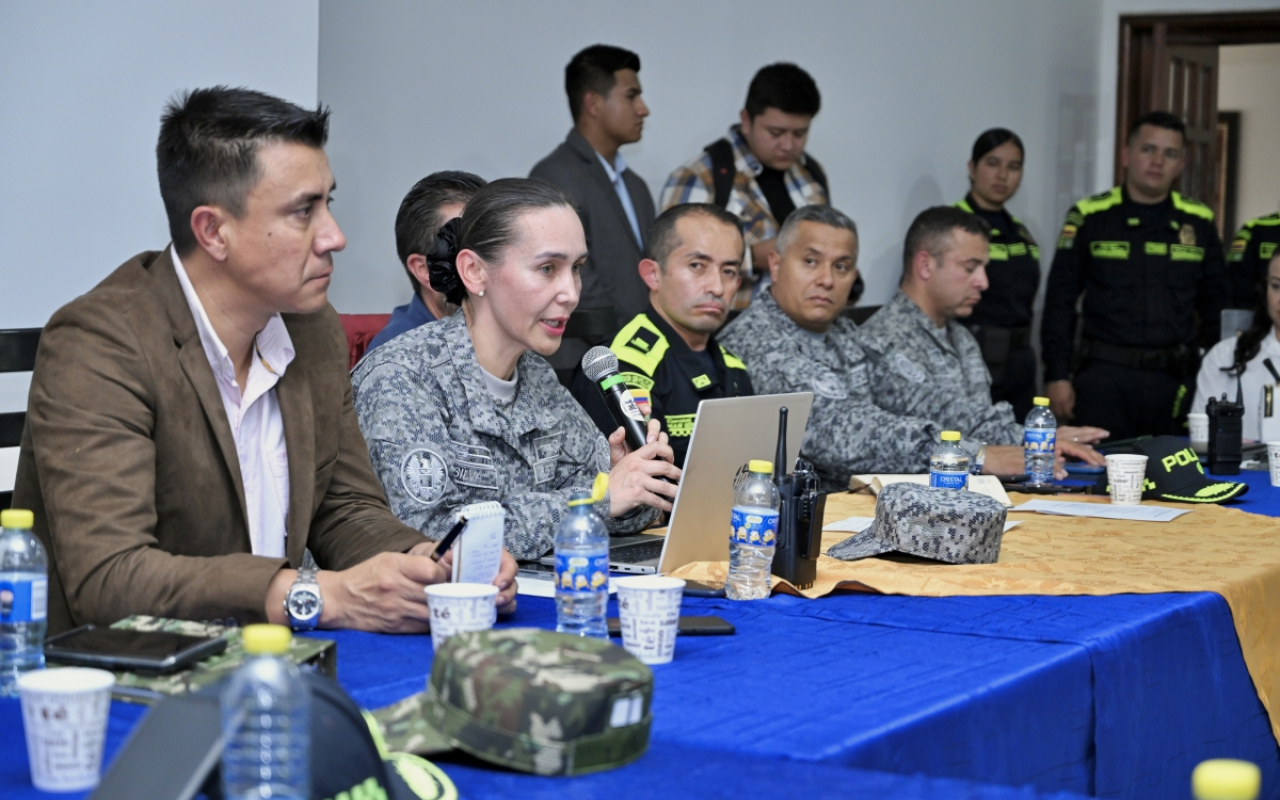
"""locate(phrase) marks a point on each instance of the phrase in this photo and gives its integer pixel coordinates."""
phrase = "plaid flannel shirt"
(693, 183)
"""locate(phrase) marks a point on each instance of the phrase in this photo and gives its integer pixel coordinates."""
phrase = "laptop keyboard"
(636, 553)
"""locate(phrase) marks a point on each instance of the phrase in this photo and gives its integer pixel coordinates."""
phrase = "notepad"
(982, 484)
(477, 556)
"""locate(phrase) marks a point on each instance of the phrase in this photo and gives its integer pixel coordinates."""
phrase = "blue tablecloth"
(1116, 696)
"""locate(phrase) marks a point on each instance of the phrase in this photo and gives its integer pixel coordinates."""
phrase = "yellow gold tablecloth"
(1211, 549)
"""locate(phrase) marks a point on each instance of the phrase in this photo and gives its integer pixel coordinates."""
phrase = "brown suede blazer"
(128, 461)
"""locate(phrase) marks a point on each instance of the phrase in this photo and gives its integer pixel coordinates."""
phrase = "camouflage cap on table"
(146, 688)
(528, 699)
(955, 526)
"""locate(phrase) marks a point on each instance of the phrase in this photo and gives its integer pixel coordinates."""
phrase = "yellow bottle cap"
(17, 518)
(760, 465)
(266, 639)
(951, 436)
(598, 490)
(1226, 779)
(1041, 401)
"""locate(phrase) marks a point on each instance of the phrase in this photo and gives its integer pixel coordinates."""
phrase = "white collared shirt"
(256, 424)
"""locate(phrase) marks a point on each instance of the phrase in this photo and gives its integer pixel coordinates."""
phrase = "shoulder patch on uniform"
(730, 360)
(907, 368)
(1268, 220)
(1100, 202)
(641, 344)
(1189, 206)
(423, 476)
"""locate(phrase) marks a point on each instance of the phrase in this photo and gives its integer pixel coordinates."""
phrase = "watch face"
(304, 604)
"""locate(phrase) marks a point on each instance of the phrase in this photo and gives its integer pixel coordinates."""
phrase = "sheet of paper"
(1099, 511)
(860, 524)
(477, 556)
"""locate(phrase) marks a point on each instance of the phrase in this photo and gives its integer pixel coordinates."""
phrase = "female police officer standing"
(1001, 321)
(466, 410)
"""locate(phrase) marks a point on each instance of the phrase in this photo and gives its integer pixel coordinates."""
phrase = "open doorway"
(1172, 62)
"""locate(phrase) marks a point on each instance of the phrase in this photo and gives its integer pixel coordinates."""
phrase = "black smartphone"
(143, 651)
(688, 626)
(700, 589)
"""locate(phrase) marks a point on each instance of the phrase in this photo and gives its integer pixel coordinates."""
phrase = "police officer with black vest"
(1001, 321)
(1150, 266)
(1252, 249)
(668, 355)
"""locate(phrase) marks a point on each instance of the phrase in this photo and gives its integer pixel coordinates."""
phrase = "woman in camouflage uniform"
(466, 409)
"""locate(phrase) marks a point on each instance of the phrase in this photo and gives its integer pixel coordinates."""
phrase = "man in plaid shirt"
(772, 173)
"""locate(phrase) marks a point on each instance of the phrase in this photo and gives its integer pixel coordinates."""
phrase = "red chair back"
(360, 330)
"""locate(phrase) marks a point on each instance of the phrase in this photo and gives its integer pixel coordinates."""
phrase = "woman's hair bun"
(442, 263)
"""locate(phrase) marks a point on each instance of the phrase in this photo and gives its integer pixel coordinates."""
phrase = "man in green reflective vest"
(668, 355)
(1150, 266)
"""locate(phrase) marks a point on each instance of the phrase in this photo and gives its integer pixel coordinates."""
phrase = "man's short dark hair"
(931, 232)
(419, 216)
(592, 70)
(1160, 119)
(816, 213)
(663, 239)
(785, 87)
(208, 149)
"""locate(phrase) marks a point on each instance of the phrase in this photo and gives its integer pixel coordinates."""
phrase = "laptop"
(699, 526)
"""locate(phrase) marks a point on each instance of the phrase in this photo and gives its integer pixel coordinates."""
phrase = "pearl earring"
(482, 293)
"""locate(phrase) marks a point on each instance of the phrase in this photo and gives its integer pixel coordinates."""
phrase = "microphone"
(601, 366)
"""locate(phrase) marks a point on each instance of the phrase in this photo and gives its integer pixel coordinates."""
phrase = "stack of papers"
(982, 484)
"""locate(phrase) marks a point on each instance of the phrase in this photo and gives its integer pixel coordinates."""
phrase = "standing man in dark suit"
(603, 85)
(191, 450)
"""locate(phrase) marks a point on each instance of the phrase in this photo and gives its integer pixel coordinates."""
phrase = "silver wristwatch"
(303, 603)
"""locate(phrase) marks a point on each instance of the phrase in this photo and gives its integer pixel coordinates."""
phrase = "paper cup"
(1126, 473)
(64, 712)
(1273, 459)
(459, 607)
(1198, 428)
(649, 608)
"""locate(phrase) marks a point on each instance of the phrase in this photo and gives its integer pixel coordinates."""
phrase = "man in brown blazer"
(190, 433)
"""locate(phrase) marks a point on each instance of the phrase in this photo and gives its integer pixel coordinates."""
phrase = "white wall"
(421, 86)
(1249, 82)
(1109, 60)
(82, 86)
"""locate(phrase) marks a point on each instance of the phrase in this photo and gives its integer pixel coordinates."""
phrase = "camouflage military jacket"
(439, 440)
(935, 373)
(847, 433)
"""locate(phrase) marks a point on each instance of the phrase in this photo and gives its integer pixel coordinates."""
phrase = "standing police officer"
(1149, 263)
(668, 355)
(1001, 321)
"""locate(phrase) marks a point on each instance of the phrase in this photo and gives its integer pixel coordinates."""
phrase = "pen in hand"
(449, 538)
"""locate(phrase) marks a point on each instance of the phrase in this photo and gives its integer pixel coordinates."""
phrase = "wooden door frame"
(1144, 39)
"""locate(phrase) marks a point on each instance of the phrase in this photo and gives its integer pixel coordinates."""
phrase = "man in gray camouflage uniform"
(927, 364)
(439, 439)
(793, 339)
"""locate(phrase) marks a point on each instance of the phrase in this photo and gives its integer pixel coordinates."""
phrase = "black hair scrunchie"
(442, 263)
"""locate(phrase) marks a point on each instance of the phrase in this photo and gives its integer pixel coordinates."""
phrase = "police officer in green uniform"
(1001, 321)
(1251, 251)
(1149, 263)
(668, 355)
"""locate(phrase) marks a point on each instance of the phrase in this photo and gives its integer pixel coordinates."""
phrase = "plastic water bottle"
(754, 534)
(266, 722)
(949, 465)
(24, 598)
(1039, 442)
(582, 570)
